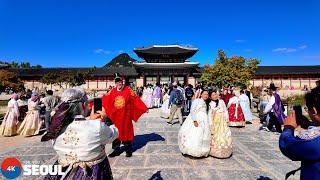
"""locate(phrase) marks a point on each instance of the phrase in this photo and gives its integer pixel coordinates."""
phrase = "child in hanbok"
(32, 122)
(236, 117)
(221, 142)
(10, 121)
(194, 135)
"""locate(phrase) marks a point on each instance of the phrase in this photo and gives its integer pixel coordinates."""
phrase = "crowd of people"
(205, 115)
(25, 116)
(176, 100)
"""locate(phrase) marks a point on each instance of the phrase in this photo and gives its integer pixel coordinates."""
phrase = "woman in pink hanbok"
(32, 123)
(10, 121)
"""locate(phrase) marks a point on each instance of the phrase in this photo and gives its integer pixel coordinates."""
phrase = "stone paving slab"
(156, 155)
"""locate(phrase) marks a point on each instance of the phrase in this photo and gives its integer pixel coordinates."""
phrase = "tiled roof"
(274, 70)
(127, 71)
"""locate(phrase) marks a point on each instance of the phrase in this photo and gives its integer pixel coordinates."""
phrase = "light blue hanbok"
(245, 106)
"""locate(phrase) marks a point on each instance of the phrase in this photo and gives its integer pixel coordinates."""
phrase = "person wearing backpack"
(189, 94)
(175, 104)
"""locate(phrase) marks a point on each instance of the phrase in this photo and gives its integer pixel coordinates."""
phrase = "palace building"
(165, 64)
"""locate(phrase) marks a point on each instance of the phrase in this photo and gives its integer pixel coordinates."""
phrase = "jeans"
(47, 119)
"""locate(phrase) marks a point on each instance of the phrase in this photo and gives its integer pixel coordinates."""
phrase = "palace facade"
(166, 64)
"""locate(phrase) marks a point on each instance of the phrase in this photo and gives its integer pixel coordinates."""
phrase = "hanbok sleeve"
(231, 101)
(193, 109)
(223, 106)
(16, 109)
(298, 149)
(108, 133)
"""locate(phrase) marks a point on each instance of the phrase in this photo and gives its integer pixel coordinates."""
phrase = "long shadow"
(141, 140)
(156, 176)
(263, 178)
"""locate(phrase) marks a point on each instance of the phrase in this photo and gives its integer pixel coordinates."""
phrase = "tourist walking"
(31, 124)
(175, 104)
(245, 106)
(79, 140)
(264, 99)
(49, 102)
(236, 116)
(275, 110)
(221, 141)
(194, 135)
(122, 106)
(10, 121)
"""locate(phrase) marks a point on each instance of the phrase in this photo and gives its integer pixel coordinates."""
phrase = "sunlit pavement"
(256, 154)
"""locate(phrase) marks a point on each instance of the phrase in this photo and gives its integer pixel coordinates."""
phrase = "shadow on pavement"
(263, 178)
(141, 140)
(156, 176)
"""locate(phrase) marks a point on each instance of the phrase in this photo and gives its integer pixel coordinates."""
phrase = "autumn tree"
(10, 79)
(229, 71)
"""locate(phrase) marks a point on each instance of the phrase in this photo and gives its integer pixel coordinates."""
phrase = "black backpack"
(189, 92)
(178, 100)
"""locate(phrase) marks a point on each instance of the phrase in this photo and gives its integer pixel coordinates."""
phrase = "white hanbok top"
(13, 107)
(84, 140)
(197, 105)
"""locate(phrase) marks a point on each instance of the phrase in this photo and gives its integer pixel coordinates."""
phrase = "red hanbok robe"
(236, 116)
(122, 107)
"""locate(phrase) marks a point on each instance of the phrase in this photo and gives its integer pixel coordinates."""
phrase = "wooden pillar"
(300, 81)
(158, 77)
(262, 81)
(32, 84)
(281, 81)
(309, 82)
(290, 81)
(97, 82)
(144, 80)
(253, 82)
(88, 84)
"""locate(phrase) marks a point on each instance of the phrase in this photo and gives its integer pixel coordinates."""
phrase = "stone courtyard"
(256, 154)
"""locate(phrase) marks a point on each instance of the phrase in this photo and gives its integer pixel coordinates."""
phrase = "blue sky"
(73, 33)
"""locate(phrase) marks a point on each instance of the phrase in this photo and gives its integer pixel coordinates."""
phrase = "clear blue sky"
(75, 33)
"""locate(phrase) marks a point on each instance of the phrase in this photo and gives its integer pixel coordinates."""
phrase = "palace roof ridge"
(167, 46)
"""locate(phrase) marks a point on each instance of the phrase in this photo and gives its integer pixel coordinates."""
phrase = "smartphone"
(298, 111)
(97, 103)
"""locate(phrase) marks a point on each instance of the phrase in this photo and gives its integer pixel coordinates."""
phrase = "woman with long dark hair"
(221, 142)
(194, 135)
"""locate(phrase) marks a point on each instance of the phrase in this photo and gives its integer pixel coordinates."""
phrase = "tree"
(229, 71)
(69, 78)
(10, 79)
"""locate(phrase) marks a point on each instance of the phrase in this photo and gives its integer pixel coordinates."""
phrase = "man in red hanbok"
(121, 106)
